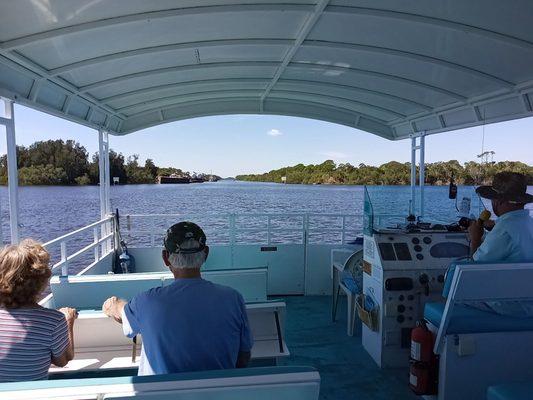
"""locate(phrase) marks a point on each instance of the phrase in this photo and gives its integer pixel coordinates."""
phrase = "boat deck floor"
(346, 370)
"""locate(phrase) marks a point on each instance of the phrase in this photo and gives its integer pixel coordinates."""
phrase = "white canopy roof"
(388, 67)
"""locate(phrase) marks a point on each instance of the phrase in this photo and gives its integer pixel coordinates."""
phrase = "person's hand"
(489, 224)
(475, 231)
(70, 314)
(112, 307)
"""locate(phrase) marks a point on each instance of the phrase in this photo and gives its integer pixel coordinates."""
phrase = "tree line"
(58, 162)
(391, 173)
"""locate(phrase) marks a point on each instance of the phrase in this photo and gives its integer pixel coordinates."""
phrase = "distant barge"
(178, 180)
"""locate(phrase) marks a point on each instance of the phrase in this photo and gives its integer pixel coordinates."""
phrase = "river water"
(47, 212)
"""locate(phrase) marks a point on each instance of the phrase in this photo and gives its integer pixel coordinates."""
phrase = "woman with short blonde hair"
(31, 337)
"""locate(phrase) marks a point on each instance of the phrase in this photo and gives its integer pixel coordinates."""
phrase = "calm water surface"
(51, 211)
(47, 212)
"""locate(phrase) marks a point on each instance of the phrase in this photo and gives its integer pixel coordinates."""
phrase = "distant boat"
(172, 179)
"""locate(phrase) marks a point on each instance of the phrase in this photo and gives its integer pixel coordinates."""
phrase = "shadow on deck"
(346, 370)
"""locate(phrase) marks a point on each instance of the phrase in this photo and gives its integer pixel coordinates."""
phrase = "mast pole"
(422, 182)
(413, 174)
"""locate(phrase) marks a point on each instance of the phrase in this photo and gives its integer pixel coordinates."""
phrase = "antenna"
(485, 156)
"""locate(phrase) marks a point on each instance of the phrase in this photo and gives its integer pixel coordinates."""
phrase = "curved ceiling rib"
(345, 99)
(310, 65)
(410, 55)
(188, 67)
(297, 82)
(42, 75)
(282, 42)
(237, 92)
(375, 74)
(445, 23)
(377, 93)
(320, 106)
(150, 15)
(178, 85)
(162, 102)
(168, 105)
(168, 47)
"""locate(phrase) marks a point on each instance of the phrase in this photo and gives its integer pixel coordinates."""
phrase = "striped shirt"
(29, 338)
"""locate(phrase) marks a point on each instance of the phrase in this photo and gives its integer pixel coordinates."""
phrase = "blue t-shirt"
(190, 325)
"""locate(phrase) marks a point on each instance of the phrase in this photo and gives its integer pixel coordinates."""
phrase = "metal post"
(422, 181)
(12, 170)
(101, 171)
(109, 243)
(413, 174)
(107, 173)
(64, 267)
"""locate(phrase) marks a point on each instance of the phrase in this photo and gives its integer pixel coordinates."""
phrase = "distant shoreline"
(392, 173)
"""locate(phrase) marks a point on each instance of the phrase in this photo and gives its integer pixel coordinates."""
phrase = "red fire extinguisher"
(421, 343)
(423, 373)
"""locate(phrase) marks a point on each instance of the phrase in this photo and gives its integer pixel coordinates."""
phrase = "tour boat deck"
(346, 369)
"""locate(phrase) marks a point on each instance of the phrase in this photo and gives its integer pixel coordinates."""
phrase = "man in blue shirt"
(511, 239)
(192, 324)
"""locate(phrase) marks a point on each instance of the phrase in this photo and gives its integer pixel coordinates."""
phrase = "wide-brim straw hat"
(509, 186)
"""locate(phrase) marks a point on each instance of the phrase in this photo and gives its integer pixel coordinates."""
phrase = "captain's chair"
(347, 275)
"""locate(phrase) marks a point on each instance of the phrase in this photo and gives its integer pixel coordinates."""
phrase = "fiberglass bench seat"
(281, 383)
(100, 343)
(466, 319)
(511, 391)
(90, 291)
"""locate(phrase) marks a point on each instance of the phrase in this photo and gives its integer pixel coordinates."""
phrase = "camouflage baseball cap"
(178, 233)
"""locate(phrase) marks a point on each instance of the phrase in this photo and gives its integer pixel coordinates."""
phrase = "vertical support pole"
(102, 190)
(64, 266)
(422, 181)
(12, 171)
(105, 203)
(413, 174)
(101, 172)
(107, 173)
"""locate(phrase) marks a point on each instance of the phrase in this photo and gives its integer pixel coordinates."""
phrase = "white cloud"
(274, 132)
(334, 154)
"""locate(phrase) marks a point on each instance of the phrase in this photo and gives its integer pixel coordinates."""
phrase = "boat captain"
(511, 239)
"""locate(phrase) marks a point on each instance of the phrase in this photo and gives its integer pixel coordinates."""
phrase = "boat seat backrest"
(94, 331)
(294, 383)
(90, 291)
(473, 283)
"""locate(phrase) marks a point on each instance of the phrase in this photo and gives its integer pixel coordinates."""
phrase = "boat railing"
(147, 230)
(99, 235)
(246, 228)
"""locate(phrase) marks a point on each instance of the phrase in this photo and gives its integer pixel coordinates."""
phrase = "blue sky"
(231, 145)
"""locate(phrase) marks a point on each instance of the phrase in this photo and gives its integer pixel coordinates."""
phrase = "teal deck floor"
(346, 370)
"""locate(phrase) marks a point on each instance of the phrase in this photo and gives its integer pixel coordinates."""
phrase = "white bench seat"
(100, 343)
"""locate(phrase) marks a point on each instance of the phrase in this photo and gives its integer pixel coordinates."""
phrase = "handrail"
(76, 232)
(233, 225)
(102, 237)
